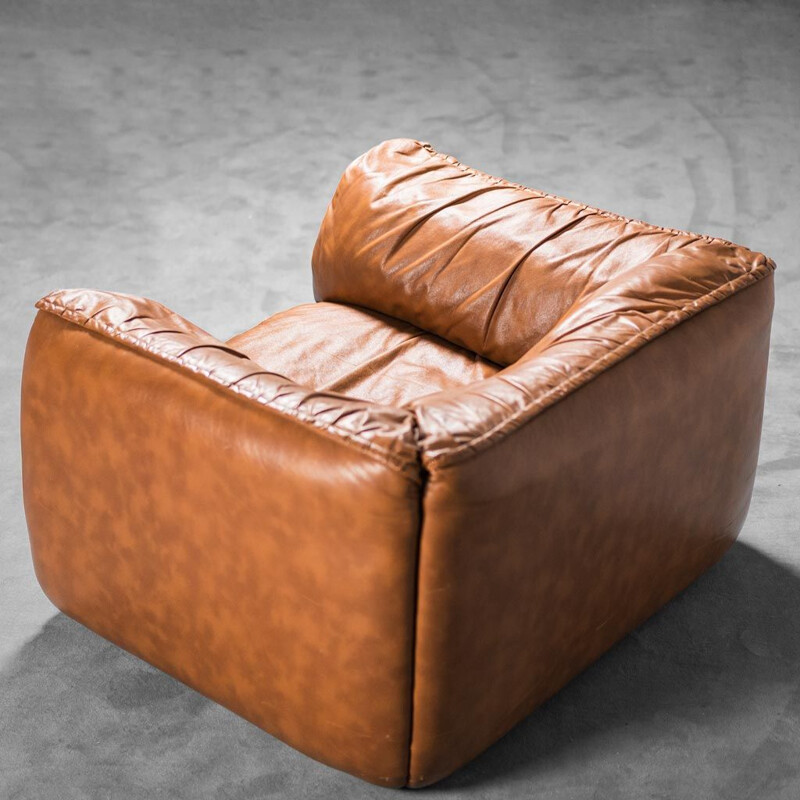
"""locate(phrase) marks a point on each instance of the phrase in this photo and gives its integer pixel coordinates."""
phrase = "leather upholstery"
(486, 264)
(387, 526)
(539, 552)
(153, 329)
(254, 555)
(604, 327)
(359, 353)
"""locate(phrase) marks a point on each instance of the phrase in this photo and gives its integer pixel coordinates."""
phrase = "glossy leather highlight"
(386, 526)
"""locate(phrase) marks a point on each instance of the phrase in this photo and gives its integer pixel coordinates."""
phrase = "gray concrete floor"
(187, 151)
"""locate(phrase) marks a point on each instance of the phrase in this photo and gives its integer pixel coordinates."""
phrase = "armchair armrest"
(253, 538)
(602, 327)
(153, 329)
(574, 493)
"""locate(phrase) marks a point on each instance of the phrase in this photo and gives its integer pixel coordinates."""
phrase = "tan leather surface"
(360, 353)
(381, 547)
(388, 433)
(482, 262)
(540, 552)
(602, 328)
(256, 557)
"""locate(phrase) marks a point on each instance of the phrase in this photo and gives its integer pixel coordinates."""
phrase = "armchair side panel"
(266, 564)
(541, 551)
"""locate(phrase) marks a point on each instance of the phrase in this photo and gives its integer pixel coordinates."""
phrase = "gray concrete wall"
(187, 151)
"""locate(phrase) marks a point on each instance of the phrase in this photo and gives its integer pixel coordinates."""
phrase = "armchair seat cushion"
(333, 347)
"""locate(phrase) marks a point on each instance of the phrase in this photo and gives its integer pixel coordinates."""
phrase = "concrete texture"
(187, 152)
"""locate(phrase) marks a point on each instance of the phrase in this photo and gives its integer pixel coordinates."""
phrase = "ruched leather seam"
(493, 180)
(409, 466)
(459, 453)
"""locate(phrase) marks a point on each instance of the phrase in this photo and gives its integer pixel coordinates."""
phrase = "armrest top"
(600, 329)
(151, 328)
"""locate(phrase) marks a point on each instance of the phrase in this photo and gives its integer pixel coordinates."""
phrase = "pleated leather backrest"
(484, 263)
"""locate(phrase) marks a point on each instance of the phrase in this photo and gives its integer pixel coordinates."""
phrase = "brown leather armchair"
(386, 526)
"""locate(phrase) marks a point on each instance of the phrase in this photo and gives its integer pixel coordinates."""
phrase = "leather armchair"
(386, 526)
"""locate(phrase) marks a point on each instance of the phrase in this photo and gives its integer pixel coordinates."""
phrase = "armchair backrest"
(482, 262)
